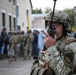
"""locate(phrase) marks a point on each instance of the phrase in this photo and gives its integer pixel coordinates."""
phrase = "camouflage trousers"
(13, 48)
(10, 51)
(21, 49)
(27, 51)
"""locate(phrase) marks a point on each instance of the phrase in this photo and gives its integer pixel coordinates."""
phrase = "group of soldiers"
(20, 44)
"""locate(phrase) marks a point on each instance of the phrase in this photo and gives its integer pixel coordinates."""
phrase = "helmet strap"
(60, 37)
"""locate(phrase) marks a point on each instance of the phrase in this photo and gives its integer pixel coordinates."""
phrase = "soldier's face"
(59, 29)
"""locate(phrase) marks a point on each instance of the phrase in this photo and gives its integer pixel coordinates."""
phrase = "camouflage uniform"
(55, 55)
(21, 36)
(28, 46)
(61, 57)
(13, 44)
(55, 60)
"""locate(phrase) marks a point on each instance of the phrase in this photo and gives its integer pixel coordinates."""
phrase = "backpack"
(21, 38)
(15, 39)
(31, 37)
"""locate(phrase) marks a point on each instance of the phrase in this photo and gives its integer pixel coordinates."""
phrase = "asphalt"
(19, 67)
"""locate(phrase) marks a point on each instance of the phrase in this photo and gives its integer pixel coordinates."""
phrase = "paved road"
(19, 67)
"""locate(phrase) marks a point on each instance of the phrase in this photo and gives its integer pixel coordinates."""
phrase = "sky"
(60, 4)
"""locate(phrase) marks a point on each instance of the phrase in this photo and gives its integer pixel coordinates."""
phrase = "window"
(14, 2)
(9, 0)
(3, 19)
(10, 24)
(27, 12)
(14, 22)
(17, 10)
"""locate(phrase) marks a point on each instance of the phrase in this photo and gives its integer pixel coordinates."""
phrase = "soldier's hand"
(49, 41)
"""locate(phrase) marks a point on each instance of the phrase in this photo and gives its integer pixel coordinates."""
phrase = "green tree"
(70, 12)
(37, 11)
(47, 10)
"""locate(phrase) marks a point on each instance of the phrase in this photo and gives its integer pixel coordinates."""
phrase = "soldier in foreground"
(60, 56)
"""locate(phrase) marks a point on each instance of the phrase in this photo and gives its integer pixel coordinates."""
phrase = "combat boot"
(15, 58)
(24, 58)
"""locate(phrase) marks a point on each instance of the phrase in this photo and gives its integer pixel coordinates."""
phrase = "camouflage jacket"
(55, 60)
(29, 38)
(14, 39)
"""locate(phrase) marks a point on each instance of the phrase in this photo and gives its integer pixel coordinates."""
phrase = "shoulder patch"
(68, 58)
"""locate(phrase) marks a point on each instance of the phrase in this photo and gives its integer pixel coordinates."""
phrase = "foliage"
(47, 9)
(73, 28)
(37, 11)
(70, 12)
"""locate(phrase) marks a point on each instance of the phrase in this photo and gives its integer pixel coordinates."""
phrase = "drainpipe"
(16, 26)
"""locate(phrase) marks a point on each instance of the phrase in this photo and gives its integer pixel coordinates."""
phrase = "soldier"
(13, 46)
(8, 43)
(60, 55)
(21, 36)
(28, 47)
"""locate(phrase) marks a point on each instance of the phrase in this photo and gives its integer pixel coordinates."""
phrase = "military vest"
(68, 55)
(21, 38)
(36, 70)
(13, 39)
(30, 38)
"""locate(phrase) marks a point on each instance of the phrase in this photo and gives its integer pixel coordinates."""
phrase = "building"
(7, 14)
(15, 14)
(24, 17)
(38, 21)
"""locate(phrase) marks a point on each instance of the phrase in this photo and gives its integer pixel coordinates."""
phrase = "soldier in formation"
(21, 38)
(14, 40)
(29, 37)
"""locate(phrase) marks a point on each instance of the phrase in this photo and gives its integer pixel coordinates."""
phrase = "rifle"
(51, 29)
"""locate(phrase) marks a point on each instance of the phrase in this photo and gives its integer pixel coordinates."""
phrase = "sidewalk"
(19, 67)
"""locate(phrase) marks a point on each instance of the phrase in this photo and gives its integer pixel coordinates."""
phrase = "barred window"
(10, 22)
(14, 22)
(3, 19)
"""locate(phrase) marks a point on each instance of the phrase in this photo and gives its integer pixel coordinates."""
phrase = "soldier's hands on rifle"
(49, 41)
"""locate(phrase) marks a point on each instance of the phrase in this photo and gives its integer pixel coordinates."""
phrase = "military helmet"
(59, 17)
(29, 31)
(15, 32)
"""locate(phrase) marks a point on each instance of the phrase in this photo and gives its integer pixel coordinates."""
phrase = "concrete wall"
(38, 21)
(23, 20)
(9, 9)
